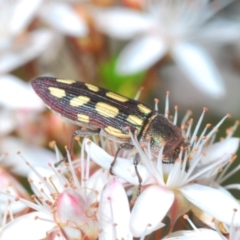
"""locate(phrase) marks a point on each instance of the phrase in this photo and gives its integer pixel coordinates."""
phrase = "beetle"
(113, 115)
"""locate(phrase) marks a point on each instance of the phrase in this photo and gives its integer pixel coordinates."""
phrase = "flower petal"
(149, 210)
(76, 215)
(220, 150)
(7, 121)
(8, 184)
(11, 87)
(34, 45)
(97, 181)
(121, 23)
(213, 202)
(23, 12)
(202, 72)
(114, 212)
(194, 235)
(27, 227)
(34, 155)
(63, 18)
(141, 54)
(123, 168)
(220, 31)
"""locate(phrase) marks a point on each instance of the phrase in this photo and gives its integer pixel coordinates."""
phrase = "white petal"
(203, 216)
(7, 121)
(121, 22)
(141, 54)
(220, 31)
(220, 150)
(16, 94)
(34, 45)
(24, 11)
(199, 67)
(10, 185)
(187, 95)
(213, 202)
(27, 227)
(123, 168)
(114, 212)
(34, 155)
(76, 214)
(97, 181)
(200, 234)
(150, 209)
(63, 18)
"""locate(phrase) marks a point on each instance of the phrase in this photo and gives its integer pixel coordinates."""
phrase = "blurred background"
(190, 48)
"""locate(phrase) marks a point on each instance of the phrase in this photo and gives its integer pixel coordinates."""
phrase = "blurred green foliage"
(123, 84)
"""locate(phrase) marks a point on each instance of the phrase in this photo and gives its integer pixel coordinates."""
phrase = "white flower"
(168, 188)
(58, 14)
(12, 146)
(72, 208)
(174, 27)
(18, 46)
(9, 184)
(18, 95)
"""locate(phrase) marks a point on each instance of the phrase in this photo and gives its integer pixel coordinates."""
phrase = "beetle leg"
(122, 146)
(136, 160)
(79, 133)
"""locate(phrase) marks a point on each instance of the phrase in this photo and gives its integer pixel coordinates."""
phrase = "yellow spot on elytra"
(106, 110)
(92, 87)
(116, 132)
(116, 97)
(67, 81)
(83, 118)
(57, 92)
(79, 101)
(144, 109)
(135, 120)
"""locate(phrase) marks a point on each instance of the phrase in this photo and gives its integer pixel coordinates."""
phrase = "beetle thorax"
(161, 132)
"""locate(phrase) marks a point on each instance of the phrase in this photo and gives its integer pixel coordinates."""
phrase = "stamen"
(175, 115)
(138, 93)
(26, 202)
(156, 104)
(207, 169)
(215, 128)
(203, 137)
(189, 128)
(232, 224)
(186, 117)
(145, 232)
(46, 183)
(198, 125)
(233, 129)
(167, 104)
(185, 216)
(222, 177)
(43, 219)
